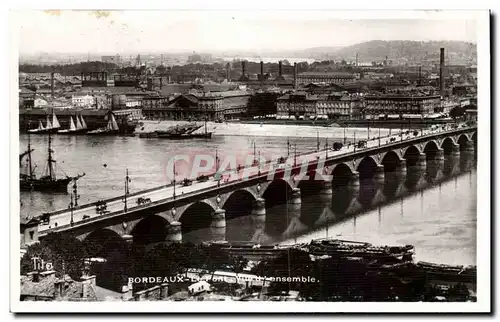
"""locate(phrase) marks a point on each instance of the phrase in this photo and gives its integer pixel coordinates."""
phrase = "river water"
(434, 211)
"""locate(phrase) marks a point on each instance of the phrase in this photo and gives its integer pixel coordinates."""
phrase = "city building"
(198, 105)
(131, 103)
(400, 105)
(111, 59)
(82, 100)
(338, 78)
(40, 102)
(45, 286)
(300, 104)
(26, 98)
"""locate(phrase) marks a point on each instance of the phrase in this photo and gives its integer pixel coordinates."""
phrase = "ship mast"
(30, 168)
(50, 160)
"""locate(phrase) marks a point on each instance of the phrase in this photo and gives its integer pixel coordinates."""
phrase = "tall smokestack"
(420, 74)
(52, 84)
(262, 69)
(243, 68)
(280, 69)
(356, 59)
(228, 72)
(441, 70)
(295, 75)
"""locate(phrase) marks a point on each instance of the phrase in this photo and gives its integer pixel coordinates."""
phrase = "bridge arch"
(149, 230)
(430, 149)
(391, 161)
(367, 168)
(277, 192)
(310, 183)
(341, 175)
(411, 155)
(239, 203)
(196, 216)
(462, 141)
(447, 145)
(104, 242)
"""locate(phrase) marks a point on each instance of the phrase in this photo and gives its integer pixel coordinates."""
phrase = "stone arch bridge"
(209, 204)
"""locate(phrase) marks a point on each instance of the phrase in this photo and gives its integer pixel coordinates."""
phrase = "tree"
(67, 255)
(238, 264)
(457, 112)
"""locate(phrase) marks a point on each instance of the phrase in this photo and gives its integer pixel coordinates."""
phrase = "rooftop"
(328, 74)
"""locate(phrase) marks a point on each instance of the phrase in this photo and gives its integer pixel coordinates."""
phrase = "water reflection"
(346, 205)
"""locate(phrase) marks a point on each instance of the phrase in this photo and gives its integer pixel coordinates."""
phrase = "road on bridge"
(167, 192)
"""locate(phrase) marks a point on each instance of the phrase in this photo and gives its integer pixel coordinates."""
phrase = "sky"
(177, 31)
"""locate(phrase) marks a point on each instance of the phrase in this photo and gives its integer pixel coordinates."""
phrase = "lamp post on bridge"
(295, 155)
(317, 141)
(326, 148)
(71, 205)
(127, 181)
(379, 135)
(75, 192)
(173, 181)
(287, 146)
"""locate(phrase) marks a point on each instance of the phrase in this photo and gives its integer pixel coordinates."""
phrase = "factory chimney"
(420, 75)
(441, 70)
(243, 68)
(295, 75)
(228, 72)
(280, 69)
(52, 84)
(262, 70)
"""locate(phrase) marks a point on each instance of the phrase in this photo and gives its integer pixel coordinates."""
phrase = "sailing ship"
(110, 129)
(51, 127)
(185, 132)
(28, 181)
(79, 128)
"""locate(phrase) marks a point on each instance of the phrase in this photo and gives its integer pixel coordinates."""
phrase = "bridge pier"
(326, 192)
(295, 200)
(455, 150)
(469, 147)
(379, 176)
(401, 170)
(174, 232)
(421, 162)
(218, 225)
(259, 210)
(440, 155)
(128, 239)
(354, 184)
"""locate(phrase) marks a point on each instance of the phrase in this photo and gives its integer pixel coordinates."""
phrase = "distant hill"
(376, 50)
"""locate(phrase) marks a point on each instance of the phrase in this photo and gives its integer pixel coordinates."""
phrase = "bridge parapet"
(351, 158)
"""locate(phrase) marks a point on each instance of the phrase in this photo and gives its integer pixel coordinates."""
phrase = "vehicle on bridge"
(202, 178)
(415, 133)
(361, 144)
(142, 200)
(101, 207)
(337, 146)
(187, 182)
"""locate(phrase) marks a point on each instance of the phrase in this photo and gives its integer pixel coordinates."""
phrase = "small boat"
(336, 247)
(72, 127)
(28, 181)
(81, 127)
(110, 129)
(185, 132)
(51, 127)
